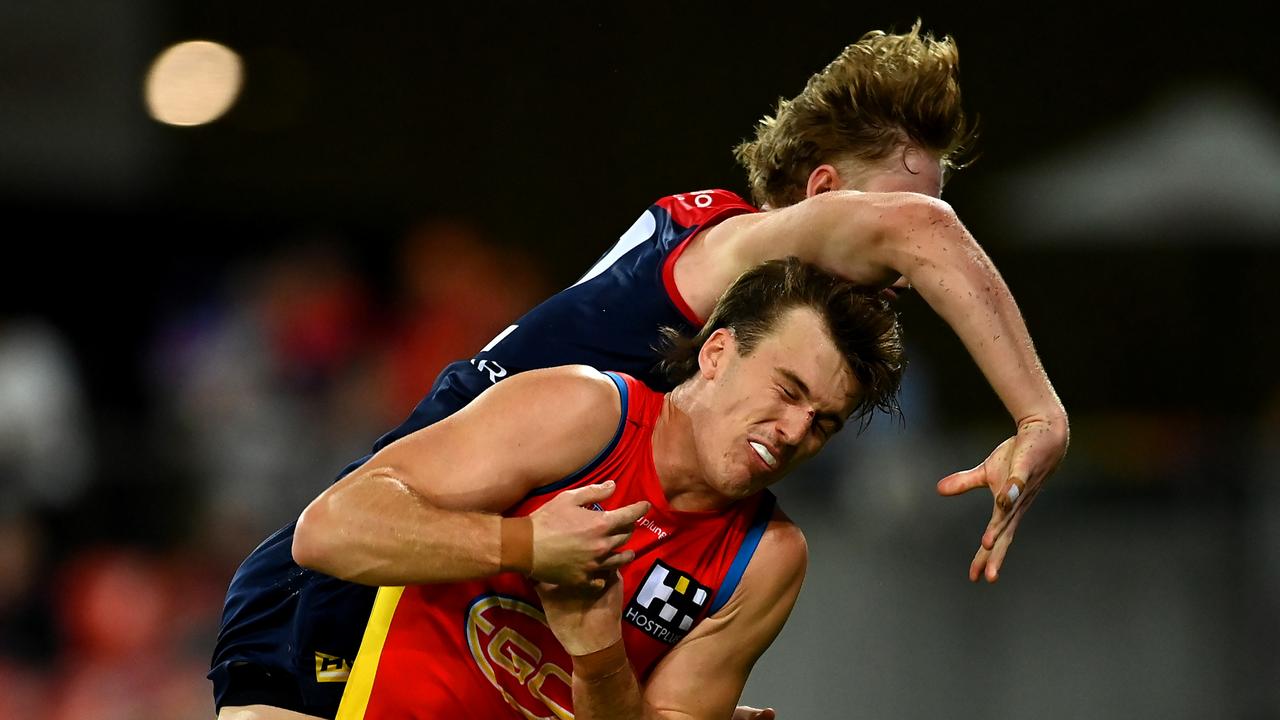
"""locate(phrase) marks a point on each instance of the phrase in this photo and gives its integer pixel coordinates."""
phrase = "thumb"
(963, 481)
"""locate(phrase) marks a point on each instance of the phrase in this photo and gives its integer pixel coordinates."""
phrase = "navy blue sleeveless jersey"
(288, 634)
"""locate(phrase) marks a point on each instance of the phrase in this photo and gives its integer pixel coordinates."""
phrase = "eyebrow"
(795, 380)
(804, 390)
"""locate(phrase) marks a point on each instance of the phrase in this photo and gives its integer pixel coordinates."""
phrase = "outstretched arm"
(873, 239)
(424, 509)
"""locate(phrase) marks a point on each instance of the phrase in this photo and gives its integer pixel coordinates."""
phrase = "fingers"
(588, 494)
(996, 527)
(744, 712)
(625, 517)
(996, 559)
(615, 562)
(988, 561)
(601, 580)
(1004, 521)
(1009, 494)
(1014, 475)
(963, 481)
(979, 564)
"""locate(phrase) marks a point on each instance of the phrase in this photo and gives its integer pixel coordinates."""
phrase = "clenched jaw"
(764, 454)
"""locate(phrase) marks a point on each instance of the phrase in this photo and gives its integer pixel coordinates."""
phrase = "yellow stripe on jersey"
(355, 699)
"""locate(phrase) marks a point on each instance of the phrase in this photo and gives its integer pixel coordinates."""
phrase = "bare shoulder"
(532, 428)
(780, 560)
(570, 390)
(774, 573)
(574, 403)
(564, 377)
(704, 674)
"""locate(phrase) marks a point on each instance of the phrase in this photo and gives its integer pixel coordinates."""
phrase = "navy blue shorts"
(288, 635)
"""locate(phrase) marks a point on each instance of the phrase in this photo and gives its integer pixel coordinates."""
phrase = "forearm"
(374, 529)
(958, 280)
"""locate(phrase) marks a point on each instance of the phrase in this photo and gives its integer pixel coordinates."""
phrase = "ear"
(822, 179)
(914, 159)
(712, 354)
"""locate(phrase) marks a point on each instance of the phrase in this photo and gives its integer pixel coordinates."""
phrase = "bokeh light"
(193, 83)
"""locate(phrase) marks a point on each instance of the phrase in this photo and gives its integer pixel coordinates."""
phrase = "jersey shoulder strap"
(703, 206)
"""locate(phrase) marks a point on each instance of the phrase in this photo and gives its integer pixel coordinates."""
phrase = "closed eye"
(828, 427)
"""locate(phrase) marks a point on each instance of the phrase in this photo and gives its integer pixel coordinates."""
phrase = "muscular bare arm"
(872, 239)
(424, 509)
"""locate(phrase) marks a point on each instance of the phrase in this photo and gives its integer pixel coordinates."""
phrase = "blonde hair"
(878, 94)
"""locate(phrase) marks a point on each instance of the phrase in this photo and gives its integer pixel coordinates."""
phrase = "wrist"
(594, 667)
(1053, 420)
(515, 549)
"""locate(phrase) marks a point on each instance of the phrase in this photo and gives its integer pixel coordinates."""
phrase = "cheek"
(809, 448)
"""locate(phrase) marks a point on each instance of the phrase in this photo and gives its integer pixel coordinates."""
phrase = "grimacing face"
(771, 409)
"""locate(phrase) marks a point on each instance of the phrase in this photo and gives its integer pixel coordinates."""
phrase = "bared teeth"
(764, 453)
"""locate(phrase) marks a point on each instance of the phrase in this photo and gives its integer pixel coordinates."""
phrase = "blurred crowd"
(120, 528)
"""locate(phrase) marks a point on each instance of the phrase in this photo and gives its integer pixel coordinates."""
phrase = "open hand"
(1015, 471)
(573, 545)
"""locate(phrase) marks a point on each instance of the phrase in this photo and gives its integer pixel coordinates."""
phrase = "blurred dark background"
(200, 325)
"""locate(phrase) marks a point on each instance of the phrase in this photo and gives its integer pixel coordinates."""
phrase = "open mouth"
(764, 454)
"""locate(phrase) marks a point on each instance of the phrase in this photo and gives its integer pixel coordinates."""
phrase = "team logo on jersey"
(331, 668)
(667, 603)
(515, 649)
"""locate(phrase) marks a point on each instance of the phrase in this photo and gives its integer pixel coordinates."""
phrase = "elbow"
(914, 230)
(312, 547)
(932, 240)
(922, 212)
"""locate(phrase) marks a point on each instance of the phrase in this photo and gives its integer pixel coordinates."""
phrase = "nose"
(794, 424)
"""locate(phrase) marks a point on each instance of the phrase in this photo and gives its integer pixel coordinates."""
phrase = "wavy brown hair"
(861, 324)
(879, 93)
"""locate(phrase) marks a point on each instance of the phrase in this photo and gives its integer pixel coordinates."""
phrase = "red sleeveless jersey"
(482, 648)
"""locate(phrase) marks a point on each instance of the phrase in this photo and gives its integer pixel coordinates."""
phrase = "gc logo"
(514, 648)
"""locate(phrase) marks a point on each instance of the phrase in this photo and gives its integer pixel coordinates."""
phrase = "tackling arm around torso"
(424, 509)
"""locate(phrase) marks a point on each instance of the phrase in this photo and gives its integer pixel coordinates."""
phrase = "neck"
(675, 456)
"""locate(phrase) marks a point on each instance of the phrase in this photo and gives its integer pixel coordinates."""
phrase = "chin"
(739, 486)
